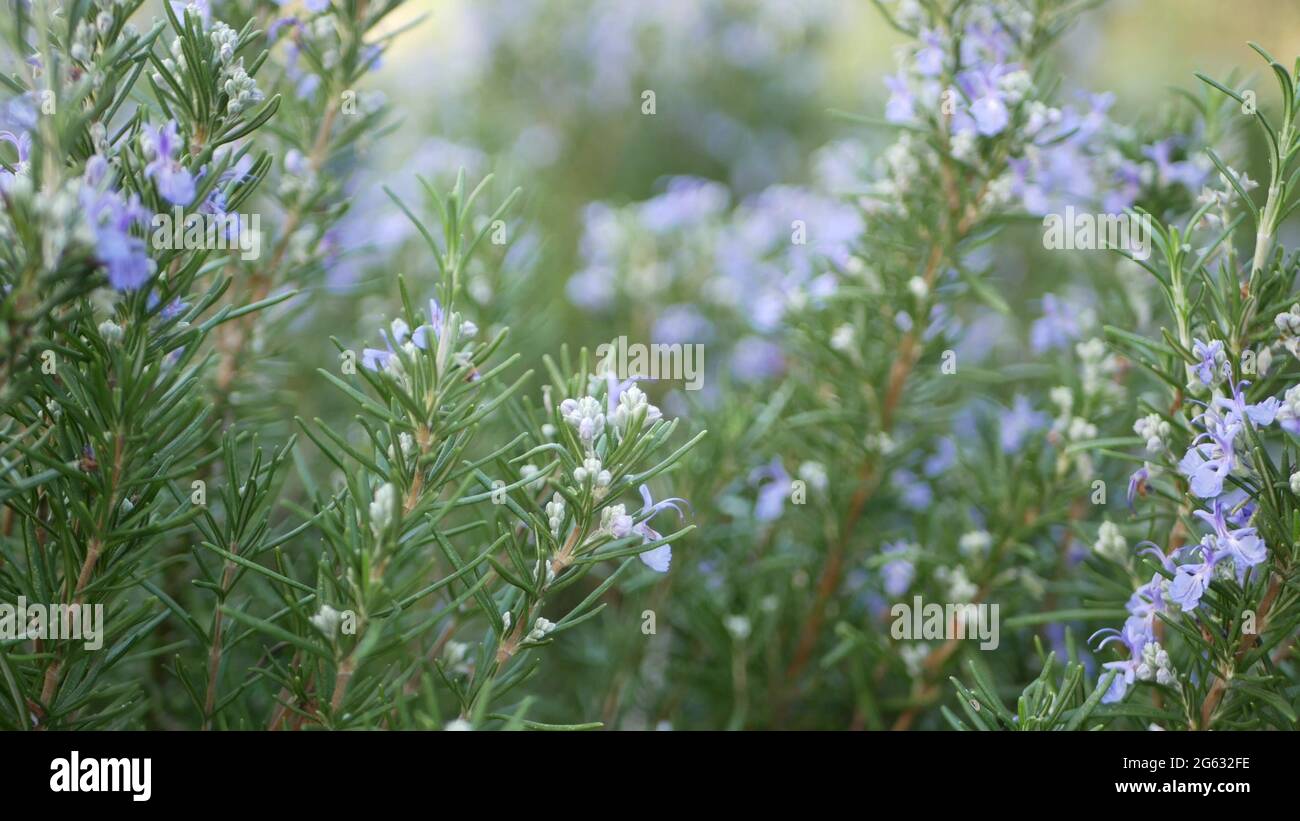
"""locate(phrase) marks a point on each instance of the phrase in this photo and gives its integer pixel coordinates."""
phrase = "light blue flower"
(111, 218)
(1212, 455)
(22, 143)
(1056, 328)
(898, 572)
(930, 56)
(161, 144)
(659, 558)
(774, 491)
(1191, 579)
(1260, 414)
(1137, 484)
(1243, 545)
(1211, 364)
(1019, 422)
(900, 106)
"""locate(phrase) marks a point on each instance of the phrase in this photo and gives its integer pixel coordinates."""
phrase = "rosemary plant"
(271, 457)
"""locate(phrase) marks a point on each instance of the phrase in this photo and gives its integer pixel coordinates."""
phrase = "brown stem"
(50, 685)
(829, 581)
(214, 653)
(341, 681)
(1220, 687)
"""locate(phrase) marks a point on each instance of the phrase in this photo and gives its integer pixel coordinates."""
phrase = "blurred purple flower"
(111, 218)
(912, 492)
(681, 324)
(755, 359)
(773, 492)
(899, 108)
(898, 573)
(687, 203)
(1056, 328)
(1019, 422)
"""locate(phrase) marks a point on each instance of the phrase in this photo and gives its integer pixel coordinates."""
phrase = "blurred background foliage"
(547, 95)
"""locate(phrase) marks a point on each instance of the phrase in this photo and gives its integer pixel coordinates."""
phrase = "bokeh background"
(628, 222)
(547, 95)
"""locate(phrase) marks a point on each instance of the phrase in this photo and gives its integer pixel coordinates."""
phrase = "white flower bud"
(586, 415)
(632, 402)
(1110, 542)
(842, 338)
(975, 542)
(555, 513)
(383, 508)
(540, 629)
(814, 473)
(616, 521)
(738, 626)
(327, 620)
(111, 332)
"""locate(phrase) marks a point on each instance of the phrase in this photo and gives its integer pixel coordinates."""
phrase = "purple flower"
(898, 572)
(944, 457)
(22, 143)
(1056, 328)
(1239, 507)
(1192, 578)
(912, 492)
(1260, 414)
(174, 309)
(160, 144)
(592, 288)
(1181, 173)
(660, 557)
(755, 359)
(111, 218)
(273, 32)
(1211, 365)
(773, 493)
(929, 57)
(990, 114)
(375, 359)
(202, 8)
(687, 202)
(1211, 456)
(433, 327)
(899, 108)
(1019, 422)
(1137, 483)
(1243, 545)
(681, 324)
(215, 202)
(1124, 188)
(1126, 670)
